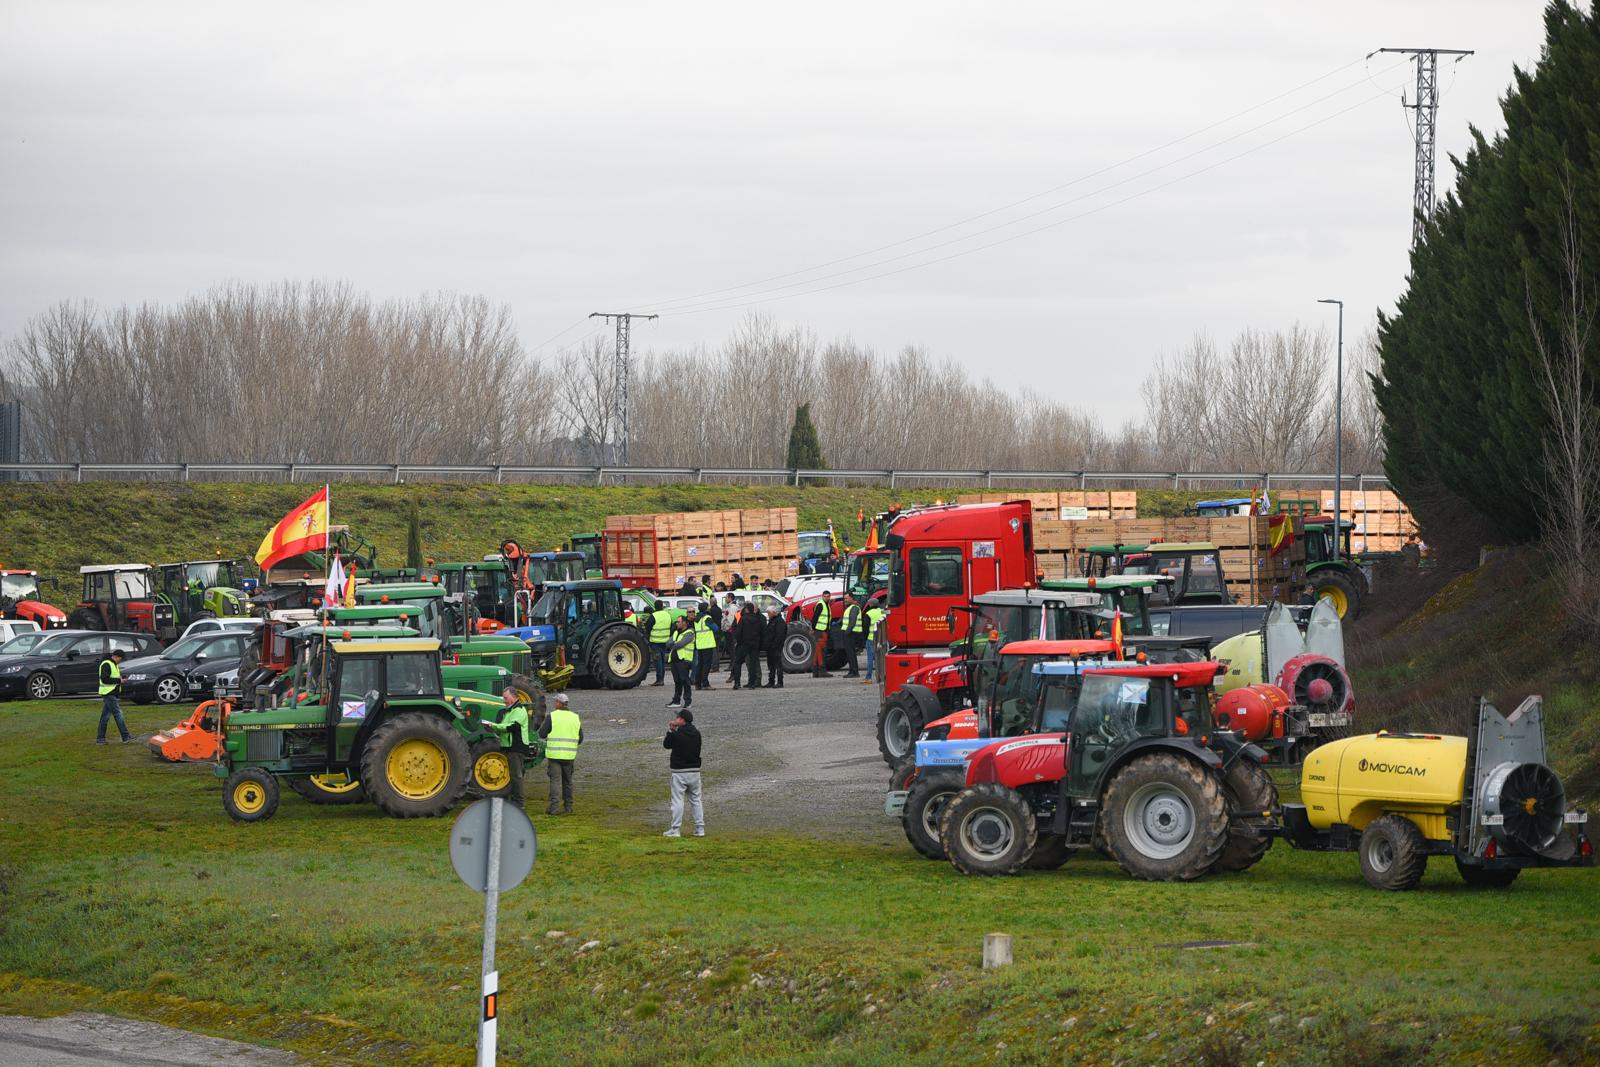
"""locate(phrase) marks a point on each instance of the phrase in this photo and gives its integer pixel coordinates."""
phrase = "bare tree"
(586, 393)
(1569, 493)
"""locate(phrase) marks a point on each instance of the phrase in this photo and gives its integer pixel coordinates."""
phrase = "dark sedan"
(67, 661)
(186, 671)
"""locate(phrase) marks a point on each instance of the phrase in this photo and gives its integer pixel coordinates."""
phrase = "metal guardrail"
(501, 473)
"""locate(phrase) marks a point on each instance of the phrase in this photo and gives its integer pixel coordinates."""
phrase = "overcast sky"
(569, 158)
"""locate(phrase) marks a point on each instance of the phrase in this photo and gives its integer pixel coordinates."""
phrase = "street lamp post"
(1338, 431)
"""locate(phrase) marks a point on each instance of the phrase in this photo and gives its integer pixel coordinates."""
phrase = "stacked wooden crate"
(1382, 521)
(660, 551)
(1067, 504)
(1254, 575)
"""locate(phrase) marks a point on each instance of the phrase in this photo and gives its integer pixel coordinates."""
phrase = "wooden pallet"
(661, 551)
(1068, 504)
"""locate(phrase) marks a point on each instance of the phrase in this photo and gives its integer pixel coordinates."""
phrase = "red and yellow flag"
(1280, 533)
(305, 529)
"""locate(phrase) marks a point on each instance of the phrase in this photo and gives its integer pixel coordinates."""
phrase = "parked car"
(186, 671)
(67, 661)
(10, 628)
(19, 644)
(811, 585)
(226, 622)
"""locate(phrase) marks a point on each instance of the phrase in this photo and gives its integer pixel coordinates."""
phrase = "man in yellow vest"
(705, 648)
(660, 631)
(110, 688)
(680, 650)
(875, 616)
(820, 619)
(853, 626)
(563, 733)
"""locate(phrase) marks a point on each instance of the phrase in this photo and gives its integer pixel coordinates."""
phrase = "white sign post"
(492, 848)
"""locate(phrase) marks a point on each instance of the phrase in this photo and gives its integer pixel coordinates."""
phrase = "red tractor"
(20, 599)
(119, 596)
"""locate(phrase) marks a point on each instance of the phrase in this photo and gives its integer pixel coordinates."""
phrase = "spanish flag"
(1280, 533)
(305, 529)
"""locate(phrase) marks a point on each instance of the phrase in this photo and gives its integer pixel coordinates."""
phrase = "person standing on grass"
(683, 741)
(562, 731)
(680, 651)
(875, 617)
(110, 689)
(773, 633)
(747, 635)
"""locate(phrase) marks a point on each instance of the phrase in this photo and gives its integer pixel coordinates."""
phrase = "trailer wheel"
(988, 829)
(1484, 878)
(620, 660)
(1049, 853)
(250, 795)
(415, 764)
(1334, 586)
(329, 789)
(799, 648)
(1165, 818)
(925, 804)
(1393, 853)
(1251, 792)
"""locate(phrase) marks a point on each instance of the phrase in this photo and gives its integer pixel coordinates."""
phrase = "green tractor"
(381, 726)
(203, 589)
(578, 632)
(1340, 580)
(505, 651)
(589, 545)
(479, 594)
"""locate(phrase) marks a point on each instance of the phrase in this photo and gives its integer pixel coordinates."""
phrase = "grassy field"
(347, 937)
(55, 528)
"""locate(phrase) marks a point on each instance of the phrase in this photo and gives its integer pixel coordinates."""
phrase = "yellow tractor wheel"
(250, 795)
(416, 764)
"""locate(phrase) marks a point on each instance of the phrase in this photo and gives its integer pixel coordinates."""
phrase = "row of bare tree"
(319, 373)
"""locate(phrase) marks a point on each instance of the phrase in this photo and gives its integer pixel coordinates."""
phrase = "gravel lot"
(803, 759)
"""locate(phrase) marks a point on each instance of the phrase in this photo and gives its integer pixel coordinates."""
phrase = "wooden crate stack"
(1117, 504)
(1253, 574)
(659, 551)
(1383, 522)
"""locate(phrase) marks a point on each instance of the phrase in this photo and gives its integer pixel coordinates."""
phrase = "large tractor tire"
(902, 718)
(84, 619)
(925, 804)
(495, 770)
(530, 691)
(416, 764)
(903, 774)
(1482, 878)
(799, 648)
(250, 795)
(1393, 853)
(988, 829)
(329, 789)
(621, 658)
(1165, 818)
(1251, 792)
(1337, 588)
(1050, 852)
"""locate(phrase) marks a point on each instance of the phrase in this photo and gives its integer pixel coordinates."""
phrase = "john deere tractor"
(1340, 581)
(382, 722)
(203, 589)
(498, 650)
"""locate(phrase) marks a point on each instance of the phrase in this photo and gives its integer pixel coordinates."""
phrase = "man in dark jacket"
(747, 635)
(772, 635)
(683, 741)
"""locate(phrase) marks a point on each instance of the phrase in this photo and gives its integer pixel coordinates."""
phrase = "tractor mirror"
(950, 620)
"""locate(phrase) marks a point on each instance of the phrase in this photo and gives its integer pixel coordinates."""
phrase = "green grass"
(347, 937)
(55, 528)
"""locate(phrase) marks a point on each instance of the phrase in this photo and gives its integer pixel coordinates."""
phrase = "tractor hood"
(935, 675)
(47, 616)
(949, 753)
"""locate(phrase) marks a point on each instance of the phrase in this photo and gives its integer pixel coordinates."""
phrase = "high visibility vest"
(703, 592)
(685, 653)
(704, 635)
(854, 622)
(660, 627)
(824, 616)
(110, 677)
(874, 617)
(562, 744)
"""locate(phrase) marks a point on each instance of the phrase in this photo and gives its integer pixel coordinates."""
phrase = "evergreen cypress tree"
(414, 537)
(805, 451)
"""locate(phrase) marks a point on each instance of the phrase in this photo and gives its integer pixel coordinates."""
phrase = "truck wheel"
(414, 765)
(1393, 853)
(899, 723)
(329, 789)
(929, 795)
(495, 770)
(1484, 878)
(988, 829)
(1337, 588)
(620, 660)
(799, 648)
(1049, 853)
(250, 795)
(1250, 791)
(169, 689)
(1165, 818)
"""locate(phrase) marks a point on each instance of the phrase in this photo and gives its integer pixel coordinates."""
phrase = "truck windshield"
(19, 587)
(869, 572)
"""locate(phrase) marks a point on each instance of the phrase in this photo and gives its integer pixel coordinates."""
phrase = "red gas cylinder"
(1253, 711)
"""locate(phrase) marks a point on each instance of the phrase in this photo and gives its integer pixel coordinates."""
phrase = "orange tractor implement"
(194, 740)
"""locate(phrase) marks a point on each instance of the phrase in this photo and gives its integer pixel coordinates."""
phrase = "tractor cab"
(588, 546)
(20, 599)
(1127, 594)
(1104, 561)
(1229, 506)
(481, 592)
(573, 610)
(118, 596)
(1194, 567)
(867, 575)
(1318, 534)
(426, 597)
(200, 589)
